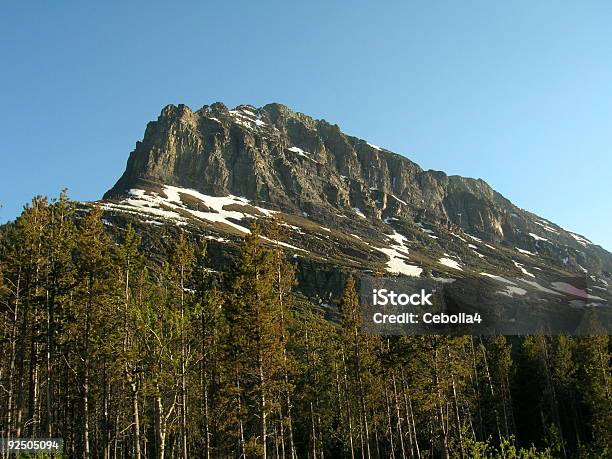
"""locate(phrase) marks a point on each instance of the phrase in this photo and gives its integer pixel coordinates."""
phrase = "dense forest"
(127, 354)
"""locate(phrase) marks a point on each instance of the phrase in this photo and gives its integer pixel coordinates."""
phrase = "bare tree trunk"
(490, 381)
(289, 405)
(117, 434)
(106, 427)
(86, 451)
(281, 428)
(136, 420)
(275, 429)
(410, 415)
(279, 254)
(183, 369)
(389, 423)
(313, 431)
(241, 428)
(315, 420)
(398, 415)
(477, 386)
(376, 441)
(21, 358)
(348, 407)
(48, 388)
(160, 429)
(264, 414)
(9, 404)
(33, 418)
(456, 400)
(440, 402)
(364, 415)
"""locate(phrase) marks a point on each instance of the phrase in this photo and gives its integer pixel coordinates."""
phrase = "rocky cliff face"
(287, 161)
(294, 162)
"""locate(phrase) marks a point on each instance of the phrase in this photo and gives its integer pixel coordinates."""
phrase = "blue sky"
(516, 93)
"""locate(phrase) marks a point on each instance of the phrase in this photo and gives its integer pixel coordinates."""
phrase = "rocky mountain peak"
(289, 162)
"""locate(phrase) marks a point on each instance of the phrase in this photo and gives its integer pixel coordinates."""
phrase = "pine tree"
(92, 321)
(131, 264)
(253, 316)
(355, 344)
(157, 333)
(31, 226)
(182, 259)
(283, 283)
(59, 246)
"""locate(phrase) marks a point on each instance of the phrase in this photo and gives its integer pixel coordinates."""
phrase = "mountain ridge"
(296, 163)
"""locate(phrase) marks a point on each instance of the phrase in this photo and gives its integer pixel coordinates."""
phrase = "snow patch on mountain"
(302, 153)
(426, 230)
(581, 240)
(283, 244)
(397, 264)
(450, 263)
(545, 226)
(398, 238)
(399, 200)
(398, 255)
(171, 206)
(358, 211)
(522, 268)
(538, 238)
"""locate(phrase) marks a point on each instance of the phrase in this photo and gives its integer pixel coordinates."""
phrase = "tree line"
(128, 355)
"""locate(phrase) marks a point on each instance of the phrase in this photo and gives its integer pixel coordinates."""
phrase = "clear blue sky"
(517, 93)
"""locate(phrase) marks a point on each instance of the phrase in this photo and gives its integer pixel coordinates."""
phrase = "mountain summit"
(296, 163)
(347, 204)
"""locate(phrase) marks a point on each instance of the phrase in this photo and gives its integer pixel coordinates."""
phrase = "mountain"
(347, 205)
